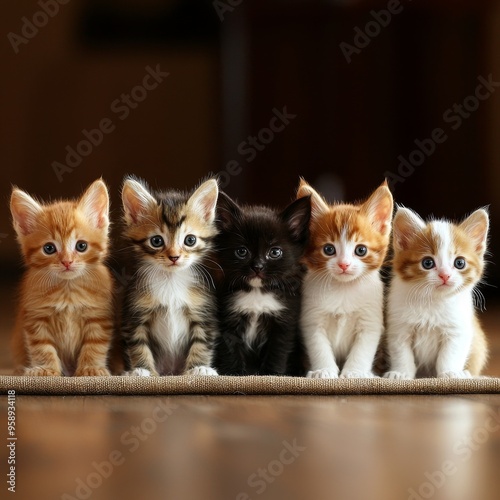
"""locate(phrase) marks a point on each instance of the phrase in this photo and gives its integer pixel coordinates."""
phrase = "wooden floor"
(241, 447)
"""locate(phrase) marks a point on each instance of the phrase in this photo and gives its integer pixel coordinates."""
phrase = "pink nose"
(344, 266)
(67, 263)
(445, 277)
(174, 259)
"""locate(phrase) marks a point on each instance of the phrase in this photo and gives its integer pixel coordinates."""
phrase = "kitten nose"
(66, 263)
(257, 267)
(344, 266)
(174, 259)
(445, 277)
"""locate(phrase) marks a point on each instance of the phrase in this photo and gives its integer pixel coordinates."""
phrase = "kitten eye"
(361, 250)
(49, 248)
(428, 263)
(241, 252)
(81, 246)
(460, 262)
(275, 253)
(156, 241)
(329, 250)
(190, 240)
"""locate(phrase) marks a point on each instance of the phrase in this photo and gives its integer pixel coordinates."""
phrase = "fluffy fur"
(342, 312)
(65, 319)
(432, 326)
(259, 297)
(168, 318)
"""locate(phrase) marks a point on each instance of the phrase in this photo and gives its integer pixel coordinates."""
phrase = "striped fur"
(65, 318)
(168, 316)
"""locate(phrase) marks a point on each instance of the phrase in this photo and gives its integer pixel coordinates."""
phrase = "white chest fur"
(171, 327)
(255, 303)
(332, 299)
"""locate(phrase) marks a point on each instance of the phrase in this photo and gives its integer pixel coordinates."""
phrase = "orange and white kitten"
(65, 318)
(432, 328)
(342, 311)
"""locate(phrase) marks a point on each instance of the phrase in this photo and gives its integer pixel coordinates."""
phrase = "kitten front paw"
(323, 373)
(40, 371)
(92, 371)
(202, 370)
(398, 376)
(451, 374)
(140, 372)
(357, 374)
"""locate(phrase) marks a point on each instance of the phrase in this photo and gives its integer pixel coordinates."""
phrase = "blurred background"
(261, 91)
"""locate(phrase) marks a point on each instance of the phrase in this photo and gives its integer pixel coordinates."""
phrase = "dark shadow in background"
(348, 122)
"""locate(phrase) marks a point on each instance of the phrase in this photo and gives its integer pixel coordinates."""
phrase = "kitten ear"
(94, 203)
(318, 204)
(227, 210)
(476, 227)
(204, 200)
(406, 223)
(24, 210)
(136, 199)
(378, 209)
(297, 216)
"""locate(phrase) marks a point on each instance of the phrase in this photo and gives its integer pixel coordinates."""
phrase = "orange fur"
(355, 221)
(65, 319)
(414, 242)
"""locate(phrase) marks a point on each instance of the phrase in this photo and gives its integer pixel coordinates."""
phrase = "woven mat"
(155, 386)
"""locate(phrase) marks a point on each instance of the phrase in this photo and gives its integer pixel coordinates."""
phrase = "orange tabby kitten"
(65, 318)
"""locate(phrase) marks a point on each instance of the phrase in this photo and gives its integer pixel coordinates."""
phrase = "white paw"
(202, 370)
(356, 374)
(323, 373)
(398, 376)
(138, 372)
(459, 374)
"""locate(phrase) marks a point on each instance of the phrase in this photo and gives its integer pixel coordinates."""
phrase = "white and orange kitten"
(342, 312)
(432, 328)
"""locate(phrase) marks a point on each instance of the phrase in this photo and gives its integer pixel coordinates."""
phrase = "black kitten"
(259, 295)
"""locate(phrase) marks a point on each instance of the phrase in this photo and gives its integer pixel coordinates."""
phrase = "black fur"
(276, 349)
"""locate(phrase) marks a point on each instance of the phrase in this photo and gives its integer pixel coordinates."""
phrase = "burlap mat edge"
(250, 385)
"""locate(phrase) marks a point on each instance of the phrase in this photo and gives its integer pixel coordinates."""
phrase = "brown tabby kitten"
(168, 317)
(65, 319)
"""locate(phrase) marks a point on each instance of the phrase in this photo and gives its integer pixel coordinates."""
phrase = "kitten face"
(169, 231)
(63, 239)
(347, 241)
(260, 247)
(441, 257)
